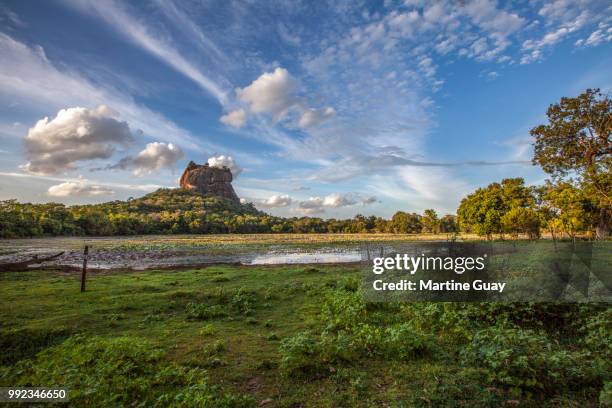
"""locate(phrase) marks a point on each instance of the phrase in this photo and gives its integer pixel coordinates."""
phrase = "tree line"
(574, 148)
(178, 211)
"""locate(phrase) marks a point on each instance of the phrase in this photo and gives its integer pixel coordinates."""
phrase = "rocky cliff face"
(208, 180)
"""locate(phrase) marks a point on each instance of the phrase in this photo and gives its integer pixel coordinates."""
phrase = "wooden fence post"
(84, 273)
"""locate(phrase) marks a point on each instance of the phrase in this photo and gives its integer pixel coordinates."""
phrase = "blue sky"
(320, 108)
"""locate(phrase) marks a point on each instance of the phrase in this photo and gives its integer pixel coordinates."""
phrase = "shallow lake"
(151, 252)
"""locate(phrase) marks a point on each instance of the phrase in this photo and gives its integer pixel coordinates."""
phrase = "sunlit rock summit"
(207, 180)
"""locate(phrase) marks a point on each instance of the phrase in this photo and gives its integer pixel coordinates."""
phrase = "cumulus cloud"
(75, 134)
(275, 201)
(154, 157)
(274, 93)
(270, 93)
(235, 118)
(336, 200)
(78, 189)
(225, 161)
(313, 117)
(315, 205)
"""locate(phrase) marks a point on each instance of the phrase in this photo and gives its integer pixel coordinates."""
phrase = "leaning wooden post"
(84, 273)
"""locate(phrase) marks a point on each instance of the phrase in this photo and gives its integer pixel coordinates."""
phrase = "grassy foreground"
(291, 336)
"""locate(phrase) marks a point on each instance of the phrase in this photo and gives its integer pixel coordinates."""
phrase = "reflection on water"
(275, 258)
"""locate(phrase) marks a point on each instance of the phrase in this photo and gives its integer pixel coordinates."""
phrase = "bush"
(526, 359)
(343, 310)
(597, 331)
(301, 354)
(243, 301)
(349, 333)
(123, 371)
(605, 396)
(199, 311)
(403, 342)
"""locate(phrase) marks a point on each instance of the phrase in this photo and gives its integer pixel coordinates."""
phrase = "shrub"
(122, 371)
(343, 310)
(301, 354)
(597, 331)
(243, 301)
(214, 348)
(403, 342)
(526, 359)
(199, 311)
(605, 396)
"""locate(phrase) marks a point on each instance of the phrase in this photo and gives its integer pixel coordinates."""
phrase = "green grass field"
(291, 336)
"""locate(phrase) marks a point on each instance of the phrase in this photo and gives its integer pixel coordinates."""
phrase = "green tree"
(430, 221)
(482, 211)
(448, 224)
(405, 223)
(521, 220)
(571, 208)
(576, 141)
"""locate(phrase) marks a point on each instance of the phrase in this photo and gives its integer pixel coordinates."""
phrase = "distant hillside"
(181, 211)
(177, 199)
(164, 211)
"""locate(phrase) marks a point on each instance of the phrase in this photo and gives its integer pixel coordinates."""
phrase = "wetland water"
(162, 251)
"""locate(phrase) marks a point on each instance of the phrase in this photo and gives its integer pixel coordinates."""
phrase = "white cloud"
(602, 34)
(316, 205)
(313, 117)
(154, 157)
(489, 17)
(225, 161)
(80, 189)
(274, 93)
(235, 118)
(75, 134)
(275, 201)
(534, 48)
(270, 93)
(336, 200)
(106, 184)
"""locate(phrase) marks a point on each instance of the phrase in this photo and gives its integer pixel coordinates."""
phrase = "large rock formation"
(209, 181)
